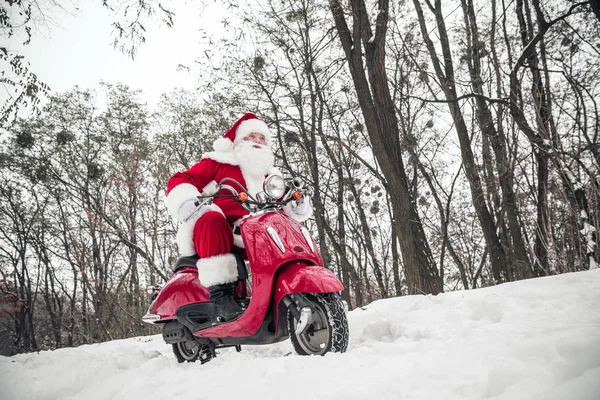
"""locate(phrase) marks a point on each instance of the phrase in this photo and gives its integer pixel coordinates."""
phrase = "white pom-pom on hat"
(222, 145)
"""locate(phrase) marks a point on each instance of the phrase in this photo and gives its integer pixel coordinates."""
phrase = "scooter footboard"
(300, 277)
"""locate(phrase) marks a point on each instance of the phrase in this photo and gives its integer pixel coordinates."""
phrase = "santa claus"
(243, 154)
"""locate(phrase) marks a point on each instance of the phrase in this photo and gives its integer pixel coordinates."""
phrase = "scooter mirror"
(274, 186)
(298, 183)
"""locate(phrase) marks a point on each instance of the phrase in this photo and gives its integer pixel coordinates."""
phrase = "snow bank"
(534, 339)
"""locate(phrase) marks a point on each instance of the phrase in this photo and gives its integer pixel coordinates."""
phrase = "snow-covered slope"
(535, 339)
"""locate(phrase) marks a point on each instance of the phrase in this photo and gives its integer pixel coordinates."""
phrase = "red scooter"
(283, 286)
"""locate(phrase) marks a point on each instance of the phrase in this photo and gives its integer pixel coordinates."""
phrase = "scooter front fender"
(300, 277)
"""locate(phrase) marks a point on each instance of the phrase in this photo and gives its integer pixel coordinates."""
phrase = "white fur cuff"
(238, 241)
(185, 232)
(217, 270)
(179, 195)
(289, 211)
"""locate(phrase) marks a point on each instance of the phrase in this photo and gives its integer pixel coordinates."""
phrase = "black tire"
(329, 330)
(192, 351)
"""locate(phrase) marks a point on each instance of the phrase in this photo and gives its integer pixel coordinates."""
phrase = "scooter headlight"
(274, 186)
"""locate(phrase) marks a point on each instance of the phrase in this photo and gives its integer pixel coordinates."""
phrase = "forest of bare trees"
(449, 146)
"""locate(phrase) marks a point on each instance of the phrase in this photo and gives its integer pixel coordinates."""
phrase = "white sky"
(75, 48)
(537, 339)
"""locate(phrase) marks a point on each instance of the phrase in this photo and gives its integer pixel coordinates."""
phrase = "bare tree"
(382, 126)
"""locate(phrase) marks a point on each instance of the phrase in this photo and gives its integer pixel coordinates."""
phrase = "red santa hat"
(247, 124)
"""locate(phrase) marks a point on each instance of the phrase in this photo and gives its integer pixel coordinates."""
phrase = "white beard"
(255, 163)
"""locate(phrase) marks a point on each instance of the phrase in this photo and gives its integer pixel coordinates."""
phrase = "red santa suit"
(208, 233)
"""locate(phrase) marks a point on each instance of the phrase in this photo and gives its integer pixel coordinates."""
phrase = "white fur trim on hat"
(252, 126)
(185, 232)
(217, 270)
(179, 195)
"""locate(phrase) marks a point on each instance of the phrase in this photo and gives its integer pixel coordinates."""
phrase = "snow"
(534, 339)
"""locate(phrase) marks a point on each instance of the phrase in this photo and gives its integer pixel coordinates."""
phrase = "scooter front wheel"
(327, 330)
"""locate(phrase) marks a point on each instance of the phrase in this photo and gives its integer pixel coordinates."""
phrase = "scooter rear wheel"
(191, 351)
(328, 331)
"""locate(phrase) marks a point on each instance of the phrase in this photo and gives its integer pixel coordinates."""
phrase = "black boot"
(222, 296)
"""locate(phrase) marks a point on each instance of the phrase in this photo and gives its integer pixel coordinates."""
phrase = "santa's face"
(255, 158)
(257, 138)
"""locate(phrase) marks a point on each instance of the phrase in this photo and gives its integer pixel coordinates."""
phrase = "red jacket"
(186, 185)
(215, 166)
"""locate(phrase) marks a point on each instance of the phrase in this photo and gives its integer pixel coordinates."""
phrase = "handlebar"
(250, 203)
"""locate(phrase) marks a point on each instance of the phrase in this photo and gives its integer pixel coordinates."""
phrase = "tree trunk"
(395, 261)
(540, 266)
(342, 237)
(595, 4)
(382, 126)
(339, 242)
(446, 78)
(497, 140)
(367, 237)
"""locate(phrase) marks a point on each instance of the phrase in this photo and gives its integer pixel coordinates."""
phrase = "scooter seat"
(188, 261)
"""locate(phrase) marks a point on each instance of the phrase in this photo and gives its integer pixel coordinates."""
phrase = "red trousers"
(212, 235)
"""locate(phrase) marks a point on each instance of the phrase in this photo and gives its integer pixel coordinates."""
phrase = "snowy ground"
(536, 339)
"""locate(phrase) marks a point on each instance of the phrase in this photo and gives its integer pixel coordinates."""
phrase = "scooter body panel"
(182, 288)
(265, 258)
(283, 260)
